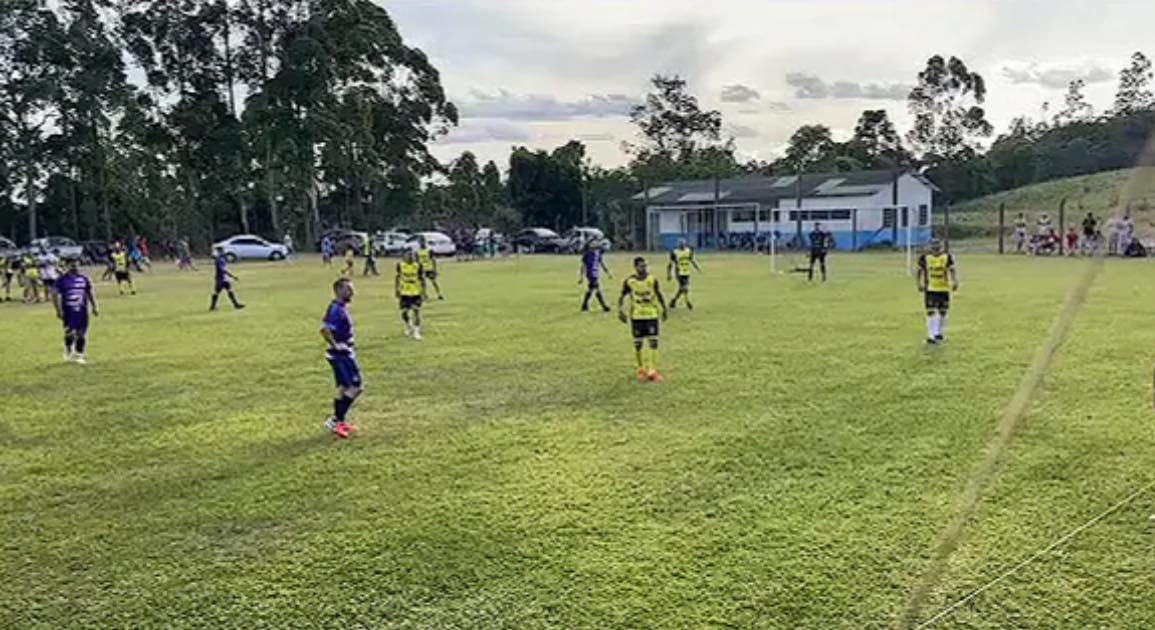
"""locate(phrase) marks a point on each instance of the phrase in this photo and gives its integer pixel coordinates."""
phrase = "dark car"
(538, 240)
(93, 252)
(342, 239)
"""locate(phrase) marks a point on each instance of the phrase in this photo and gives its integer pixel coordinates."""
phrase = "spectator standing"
(1089, 229)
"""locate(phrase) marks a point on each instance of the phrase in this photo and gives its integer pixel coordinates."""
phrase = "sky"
(539, 73)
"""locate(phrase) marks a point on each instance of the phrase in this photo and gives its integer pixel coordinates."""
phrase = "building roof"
(761, 189)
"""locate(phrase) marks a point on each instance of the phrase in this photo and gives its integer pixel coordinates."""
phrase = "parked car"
(8, 248)
(438, 243)
(66, 247)
(249, 246)
(391, 243)
(536, 240)
(94, 252)
(343, 238)
(576, 239)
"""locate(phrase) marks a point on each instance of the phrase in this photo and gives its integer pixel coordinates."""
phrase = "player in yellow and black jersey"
(937, 278)
(119, 259)
(681, 259)
(646, 306)
(409, 287)
(428, 264)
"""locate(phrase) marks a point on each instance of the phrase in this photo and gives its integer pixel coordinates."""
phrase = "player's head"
(218, 250)
(935, 246)
(343, 290)
(407, 255)
(73, 265)
(817, 227)
(681, 242)
(640, 265)
(421, 240)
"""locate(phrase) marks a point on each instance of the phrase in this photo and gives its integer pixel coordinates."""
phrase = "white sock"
(941, 322)
(930, 326)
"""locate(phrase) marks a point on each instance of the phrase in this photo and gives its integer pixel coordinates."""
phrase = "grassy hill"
(1101, 193)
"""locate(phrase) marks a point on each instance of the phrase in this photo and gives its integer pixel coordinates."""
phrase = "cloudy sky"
(541, 72)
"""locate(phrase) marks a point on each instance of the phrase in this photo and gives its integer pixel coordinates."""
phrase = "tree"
(1134, 93)
(948, 115)
(876, 144)
(811, 147)
(1075, 105)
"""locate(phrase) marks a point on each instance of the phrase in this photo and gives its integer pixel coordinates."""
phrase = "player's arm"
(581, 270)
(421, 278)
(397, 281)
(921, 274)
(953, 271)
(670, 267)
(602, 262)
(91, 299)
(56, 304)
(622, 301)
(694, 261)
(661, 298)
(327, 335)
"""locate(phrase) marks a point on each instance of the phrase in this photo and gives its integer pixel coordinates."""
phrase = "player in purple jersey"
(223, 281)
(592, 263)
(337, 330)
(72, 299)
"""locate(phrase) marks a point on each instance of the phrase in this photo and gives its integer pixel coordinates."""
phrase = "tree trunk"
(270, 190)
(30, 191)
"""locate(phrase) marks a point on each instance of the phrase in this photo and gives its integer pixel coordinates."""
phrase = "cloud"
(491, 131)
(739, 93)
(741, 131)
(811, 87)
(776, 107)
(507, 106)
(597, 137)
(1056, 75)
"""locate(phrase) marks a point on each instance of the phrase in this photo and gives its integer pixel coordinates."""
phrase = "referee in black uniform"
(819, 242)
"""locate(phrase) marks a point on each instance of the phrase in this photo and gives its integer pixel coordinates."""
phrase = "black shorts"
(123, 276)
(817, 255)
(410, 301)
(683, 282)
(223, 285)
(593, 283)
(431, 274)
(937, 300)
(644, 328)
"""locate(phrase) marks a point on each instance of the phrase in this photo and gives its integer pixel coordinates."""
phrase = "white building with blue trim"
(861, 209)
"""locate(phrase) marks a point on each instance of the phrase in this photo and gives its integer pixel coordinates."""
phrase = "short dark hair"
(338, 282)
(639, 259)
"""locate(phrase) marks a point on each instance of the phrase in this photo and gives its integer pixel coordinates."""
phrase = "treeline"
(202, 118)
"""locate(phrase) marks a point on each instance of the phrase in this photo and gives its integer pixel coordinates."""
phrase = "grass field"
(794, 470)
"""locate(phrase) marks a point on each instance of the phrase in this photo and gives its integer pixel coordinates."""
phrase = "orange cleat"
(641, 374)
(342, 430)
(654, 376)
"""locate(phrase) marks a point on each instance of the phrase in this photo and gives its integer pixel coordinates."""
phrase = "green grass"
(794, 470)
(1100, 193)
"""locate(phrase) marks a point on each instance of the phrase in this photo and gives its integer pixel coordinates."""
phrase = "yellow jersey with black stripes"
(120, 261)
(409, 274)
(682, 257)
(643, 294)
(936, 267)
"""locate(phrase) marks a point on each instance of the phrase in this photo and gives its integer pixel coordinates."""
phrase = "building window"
(742, 216)
(840, 215)
(889, 217)
(905, 216)
(923, 215)
(777, 216)
(764, 216)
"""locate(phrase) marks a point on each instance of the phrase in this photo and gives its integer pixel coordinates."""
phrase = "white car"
(249, 246)
(391, 243)
(438, 243)
(578, 237)
(67, 247)
(8, 248)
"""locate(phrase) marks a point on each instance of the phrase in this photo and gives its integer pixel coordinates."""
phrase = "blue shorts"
(76, 320)
(345, 371)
